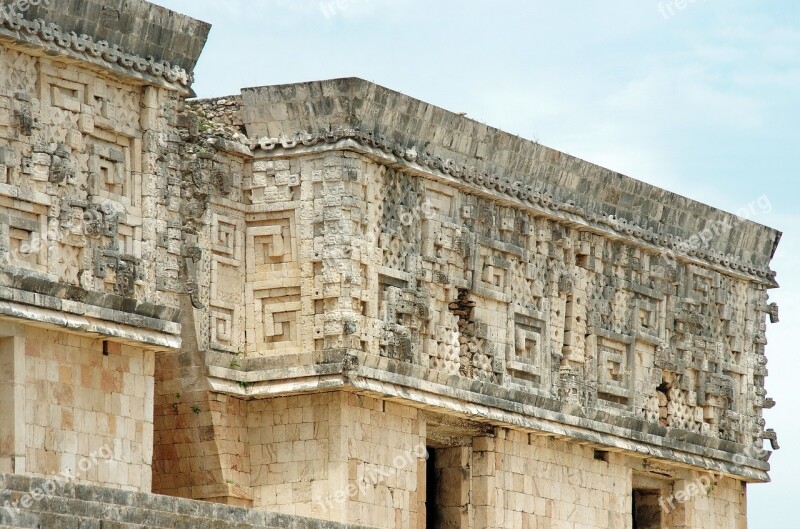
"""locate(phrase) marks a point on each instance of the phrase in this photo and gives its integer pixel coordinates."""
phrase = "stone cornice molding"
(138, 335)
(42, 34)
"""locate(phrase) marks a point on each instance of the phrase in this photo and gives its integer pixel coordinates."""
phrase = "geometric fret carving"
(67, 95)
(110, 174)
(529, 357)
(25, 245)
(276, 315)
(226, 243)
(224, 327)
(273, 282)
(614, 369)
(271, 243)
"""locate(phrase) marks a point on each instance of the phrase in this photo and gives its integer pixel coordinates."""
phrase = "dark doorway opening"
(431, 492)
(647, 512)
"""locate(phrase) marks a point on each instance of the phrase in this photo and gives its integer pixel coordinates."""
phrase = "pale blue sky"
(704, 101)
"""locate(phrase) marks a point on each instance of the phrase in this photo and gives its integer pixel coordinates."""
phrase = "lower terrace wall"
(335, 456)
(200, 440)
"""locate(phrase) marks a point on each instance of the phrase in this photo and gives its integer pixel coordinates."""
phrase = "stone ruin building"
(329, 305)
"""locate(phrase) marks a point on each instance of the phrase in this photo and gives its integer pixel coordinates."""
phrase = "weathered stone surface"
(341, 259)
(95, 507)
(84, 147)
(136, 38)
(450, 262)
(285, 299)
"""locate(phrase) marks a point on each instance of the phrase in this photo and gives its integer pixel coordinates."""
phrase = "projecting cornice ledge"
(134, 38)
(35, 300)
(261, 378)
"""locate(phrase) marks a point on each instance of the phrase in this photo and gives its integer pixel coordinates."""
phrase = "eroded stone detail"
(335, 284)
(506, 187)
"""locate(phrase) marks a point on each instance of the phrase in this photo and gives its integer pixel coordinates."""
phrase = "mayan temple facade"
(329, 305)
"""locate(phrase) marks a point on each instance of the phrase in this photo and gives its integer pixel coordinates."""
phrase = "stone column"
(484, 489)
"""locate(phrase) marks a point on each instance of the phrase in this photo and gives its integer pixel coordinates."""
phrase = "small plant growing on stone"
(195, 409)
(710, 488)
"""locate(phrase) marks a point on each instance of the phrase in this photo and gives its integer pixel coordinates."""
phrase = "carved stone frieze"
(519, 190)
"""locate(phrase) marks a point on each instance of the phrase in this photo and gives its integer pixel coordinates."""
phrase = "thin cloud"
(688, 96)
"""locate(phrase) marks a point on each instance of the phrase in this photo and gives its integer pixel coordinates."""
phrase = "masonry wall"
(338, 456)
(85, 409)
(290, 447)
(723, 505)
(12, 408)
(344, 457)
(549, 481)
(385, 455)
(201, 445)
